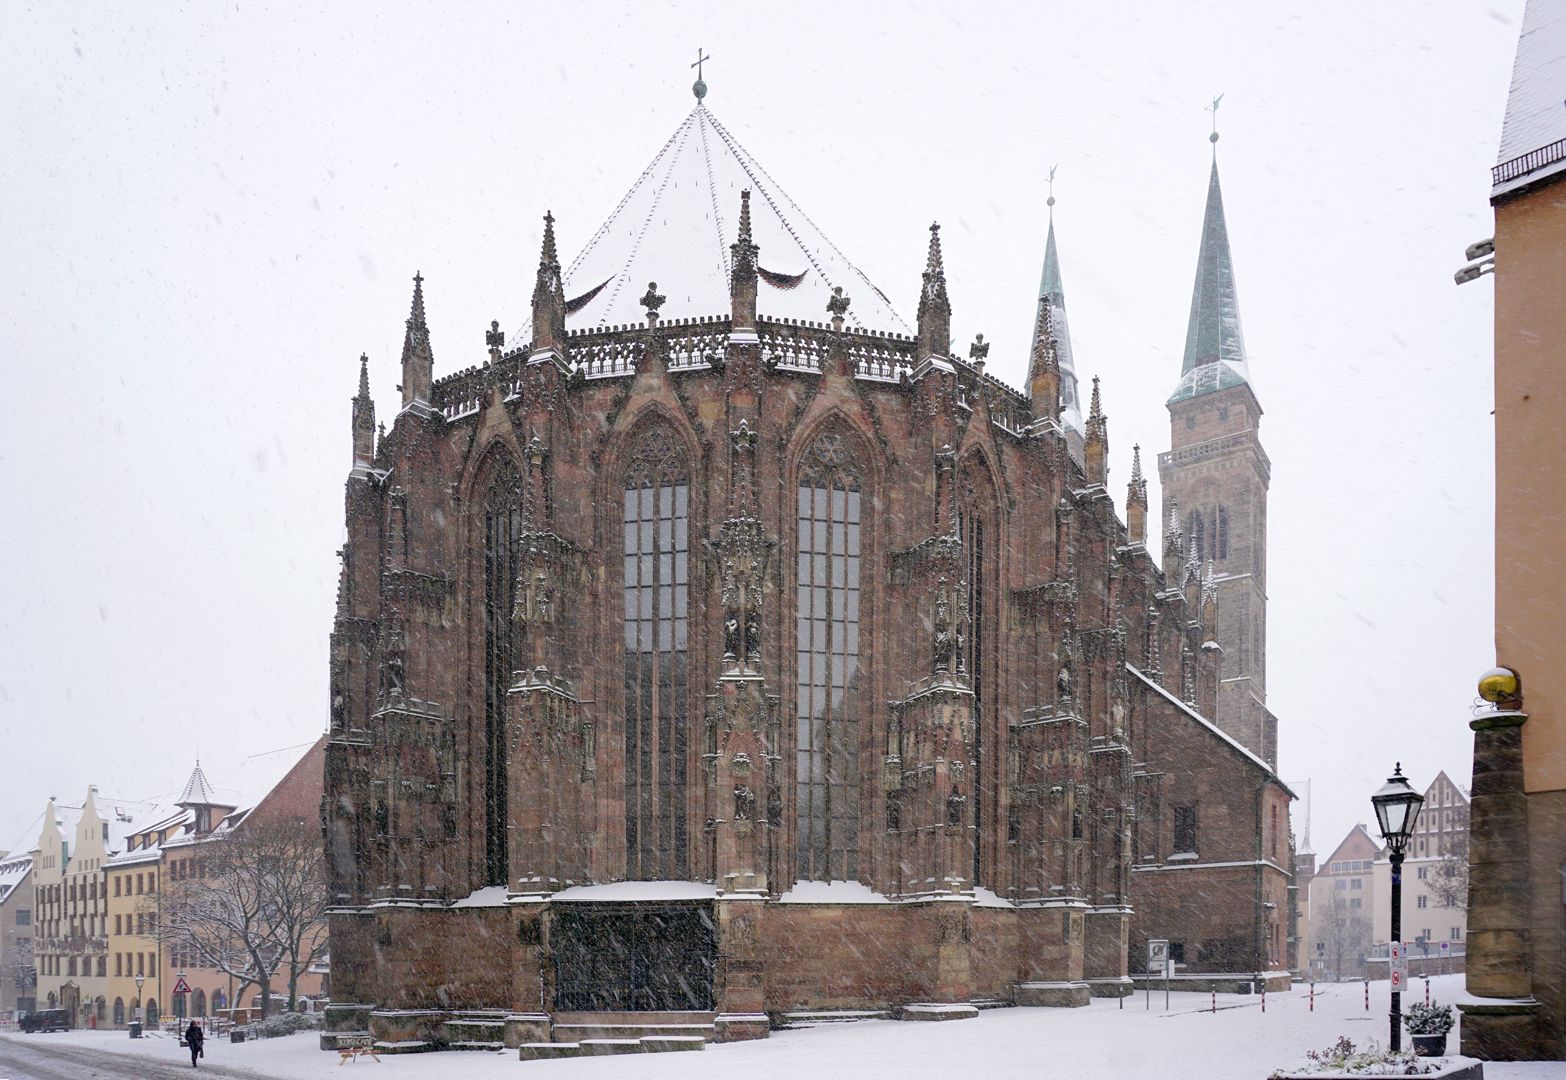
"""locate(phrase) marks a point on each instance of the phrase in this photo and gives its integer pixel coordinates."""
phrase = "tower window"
(1196, 529)
(1185, 829)
(1221, 533)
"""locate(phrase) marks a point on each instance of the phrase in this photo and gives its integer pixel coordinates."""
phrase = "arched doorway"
(119, 1011)
(71, 1001)
(100, 1010)
(199, 1008)
(219, 1002)
(152, 1010)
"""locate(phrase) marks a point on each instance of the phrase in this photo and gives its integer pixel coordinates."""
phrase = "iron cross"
(700, 60)
(1213, 108)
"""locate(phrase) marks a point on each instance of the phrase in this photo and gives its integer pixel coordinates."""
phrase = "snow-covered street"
(1238, 1042)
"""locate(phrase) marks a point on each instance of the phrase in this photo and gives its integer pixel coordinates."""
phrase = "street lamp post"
(1397, 807)
(141, 1006)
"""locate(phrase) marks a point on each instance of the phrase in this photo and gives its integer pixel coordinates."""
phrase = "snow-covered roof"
(1533, 133)
(12, 873)
(1214, 341)
(675, 226)
(197, 791)
(1209, 725)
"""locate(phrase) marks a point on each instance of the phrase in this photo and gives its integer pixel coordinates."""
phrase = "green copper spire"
(1053, 293)
(1214, 344)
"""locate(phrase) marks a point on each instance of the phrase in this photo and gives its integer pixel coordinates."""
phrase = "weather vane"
(700, 89)
(1213, 108)
(1050, 202)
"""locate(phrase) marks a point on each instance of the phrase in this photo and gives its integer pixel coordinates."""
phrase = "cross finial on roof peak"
(1213, 108)
(1050, 202)
(699, 88)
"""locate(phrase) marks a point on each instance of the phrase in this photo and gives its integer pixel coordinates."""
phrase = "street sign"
(1398, 957)
(181, 986)
(1157, 956)
(1446, 948)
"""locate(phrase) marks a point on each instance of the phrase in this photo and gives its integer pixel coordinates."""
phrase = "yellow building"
(133, 953)
(1517, 840)
(134, 888)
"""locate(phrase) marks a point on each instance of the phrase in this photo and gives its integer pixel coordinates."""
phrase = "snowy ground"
(1238, 1042)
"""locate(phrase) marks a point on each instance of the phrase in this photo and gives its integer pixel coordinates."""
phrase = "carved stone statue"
(731, 637)
(752, 634)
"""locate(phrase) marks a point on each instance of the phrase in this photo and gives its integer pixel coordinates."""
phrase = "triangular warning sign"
(181, 986)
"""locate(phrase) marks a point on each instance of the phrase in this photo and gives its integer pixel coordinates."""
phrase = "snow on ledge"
(987, 899)
(638, 890)
(832, 892)
(488, 896)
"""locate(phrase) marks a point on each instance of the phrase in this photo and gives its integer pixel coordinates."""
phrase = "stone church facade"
(724, 663)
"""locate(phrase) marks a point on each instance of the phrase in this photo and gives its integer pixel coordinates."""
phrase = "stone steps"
(647, 1044)
(813, 1017)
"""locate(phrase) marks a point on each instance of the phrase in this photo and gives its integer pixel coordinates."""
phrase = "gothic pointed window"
(1221, 533)
(977, 522)
(657, 609)
(827, 655)
(502, 552)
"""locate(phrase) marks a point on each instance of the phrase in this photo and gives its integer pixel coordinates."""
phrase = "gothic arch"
(979, 519)
(835, 475)
(651, 485)
(493, 548)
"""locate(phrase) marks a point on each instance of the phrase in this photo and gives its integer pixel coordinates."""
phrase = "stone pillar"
(1499, 960)
(741, 990)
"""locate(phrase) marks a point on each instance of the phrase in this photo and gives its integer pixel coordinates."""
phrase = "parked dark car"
(47, 1020)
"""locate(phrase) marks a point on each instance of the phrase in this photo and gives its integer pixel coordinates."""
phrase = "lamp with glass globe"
(1397, 808)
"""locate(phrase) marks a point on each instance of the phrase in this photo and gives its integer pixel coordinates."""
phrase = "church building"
(727, 648)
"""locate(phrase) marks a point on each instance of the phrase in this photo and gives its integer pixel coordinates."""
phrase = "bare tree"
(256, 908)
(1448, 881)
(1345, 932)
(19, 973)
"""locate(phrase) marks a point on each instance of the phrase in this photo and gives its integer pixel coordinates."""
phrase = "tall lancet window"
(502, 529)
(827, 653)
(657, 608)
(976, 518)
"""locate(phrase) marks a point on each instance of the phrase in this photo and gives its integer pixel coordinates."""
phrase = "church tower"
(1218, 473)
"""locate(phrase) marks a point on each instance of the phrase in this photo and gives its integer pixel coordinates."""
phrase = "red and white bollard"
(1264, 999)
(1427, 991)
(1312, 997)
(1215, 1001)
(1367, 995)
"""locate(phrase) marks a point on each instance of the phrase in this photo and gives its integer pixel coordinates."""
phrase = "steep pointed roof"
(416, 339)
(197, 791)
(676, 226)
(1214, 343)
(1053, 293)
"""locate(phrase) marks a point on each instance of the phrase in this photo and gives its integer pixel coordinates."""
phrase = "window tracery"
(827, 650)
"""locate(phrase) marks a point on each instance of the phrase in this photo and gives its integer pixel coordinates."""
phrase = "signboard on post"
(181, 986)
(1157, 956)
(1398, 955)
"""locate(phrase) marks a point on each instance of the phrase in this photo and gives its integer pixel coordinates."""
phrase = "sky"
(210, 211)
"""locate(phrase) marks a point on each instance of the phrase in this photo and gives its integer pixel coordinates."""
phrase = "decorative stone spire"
(1052, 297)
(1095, 446)
(418, 360)
(1136, 501)
(1214, 344)
(548, 298)
(742, 276)
(1209, 601)
(1044, 368)
(363, 419)
(935, 310)
(1174, 546)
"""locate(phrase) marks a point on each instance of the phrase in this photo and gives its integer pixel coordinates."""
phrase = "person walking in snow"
(194, 1037)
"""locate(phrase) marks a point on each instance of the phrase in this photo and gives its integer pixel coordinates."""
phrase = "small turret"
(1095, 446)
(1136, 501)
(1044, 368)
(548, 300)
(418, 360)
(935, 310)
(363, 420)
(1209, 604)
(743, 276)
